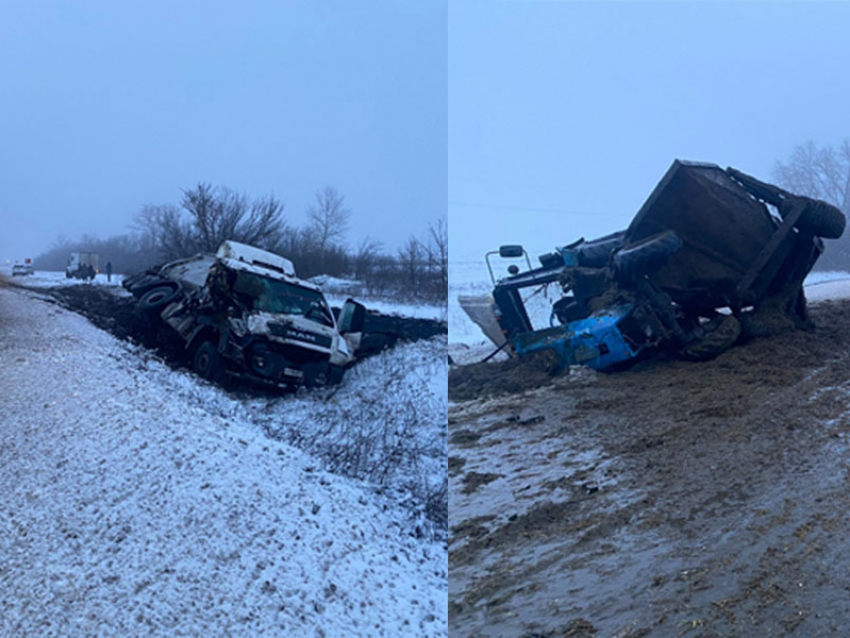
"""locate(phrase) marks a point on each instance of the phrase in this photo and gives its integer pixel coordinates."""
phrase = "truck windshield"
(281, 297)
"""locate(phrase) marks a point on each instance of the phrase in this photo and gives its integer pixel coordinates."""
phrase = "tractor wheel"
(822, 219)
(721, 336)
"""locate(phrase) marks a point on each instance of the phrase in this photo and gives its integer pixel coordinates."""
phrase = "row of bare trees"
(207, 215)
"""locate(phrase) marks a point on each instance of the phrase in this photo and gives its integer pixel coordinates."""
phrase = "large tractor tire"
(822, 220)
(722, 333)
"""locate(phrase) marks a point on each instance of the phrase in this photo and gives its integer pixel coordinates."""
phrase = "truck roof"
(232, 251)
(235, 256)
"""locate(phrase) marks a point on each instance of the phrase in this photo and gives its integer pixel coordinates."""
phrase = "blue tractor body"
(596, 342)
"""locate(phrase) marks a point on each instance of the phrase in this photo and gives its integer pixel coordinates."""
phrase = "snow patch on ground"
(388, 307)
(823, 276)
(51, 279)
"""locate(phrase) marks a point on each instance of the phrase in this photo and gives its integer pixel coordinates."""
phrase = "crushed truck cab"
(243, 313)
(711, 256)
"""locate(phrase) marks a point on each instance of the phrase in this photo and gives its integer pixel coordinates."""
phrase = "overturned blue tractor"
(713, 255)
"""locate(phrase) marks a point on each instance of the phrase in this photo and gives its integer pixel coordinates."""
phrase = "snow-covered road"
(130, 507)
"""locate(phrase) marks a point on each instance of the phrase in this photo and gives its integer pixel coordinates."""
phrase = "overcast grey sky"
(564, 115)
(107, 106)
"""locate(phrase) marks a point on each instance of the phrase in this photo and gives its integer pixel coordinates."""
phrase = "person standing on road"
(109, 271)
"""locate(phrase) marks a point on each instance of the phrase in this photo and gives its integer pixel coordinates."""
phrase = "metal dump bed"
(722, 227)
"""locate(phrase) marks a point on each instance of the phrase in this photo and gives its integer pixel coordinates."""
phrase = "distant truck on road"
(82, 265)
(23, 269)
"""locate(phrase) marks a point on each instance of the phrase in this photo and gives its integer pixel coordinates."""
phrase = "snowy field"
(140, 499)
(50, 279)
(470, 276)
(338, 290)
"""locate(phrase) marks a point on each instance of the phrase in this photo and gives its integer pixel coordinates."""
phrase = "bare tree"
(438, 249)
(366, 257)
(264, 226)
(207, 217)
(824, 173)
(328, 219)
(410, 259)
(176, 236)
(206, 213)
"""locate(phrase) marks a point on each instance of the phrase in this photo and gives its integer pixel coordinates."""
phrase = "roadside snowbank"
(139, 500)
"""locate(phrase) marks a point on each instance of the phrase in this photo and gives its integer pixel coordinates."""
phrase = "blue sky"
(108, 106)
(564, 115)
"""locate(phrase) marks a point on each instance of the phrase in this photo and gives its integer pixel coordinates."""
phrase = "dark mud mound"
(120, 317)
(666, 494)
(492, 379)
(385, 331)
(773, 360)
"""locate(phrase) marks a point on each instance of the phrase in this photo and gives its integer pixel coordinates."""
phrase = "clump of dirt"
(577, 628)
(480, 380)
(474, 480)
(464, 438)
(456, 464)
(516, 421)
(471, 528)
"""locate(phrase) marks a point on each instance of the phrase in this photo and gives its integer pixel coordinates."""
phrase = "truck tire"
(138, 285)
(822, 219)
(207, 362)
(646, 256)
(721, 336)
(157, 298)
(335, 375)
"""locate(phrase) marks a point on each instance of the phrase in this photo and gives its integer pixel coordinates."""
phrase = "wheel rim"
(203, 363)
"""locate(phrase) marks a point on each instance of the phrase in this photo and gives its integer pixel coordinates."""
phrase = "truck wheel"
(335, 375)
(721, 336)
(822, 219)
(207, 361)
(138, 285)
(157, 298)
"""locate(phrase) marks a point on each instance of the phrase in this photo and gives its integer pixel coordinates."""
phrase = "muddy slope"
(671, 499)
(119, 316)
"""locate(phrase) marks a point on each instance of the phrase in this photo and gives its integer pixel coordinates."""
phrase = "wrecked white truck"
(242, 313)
